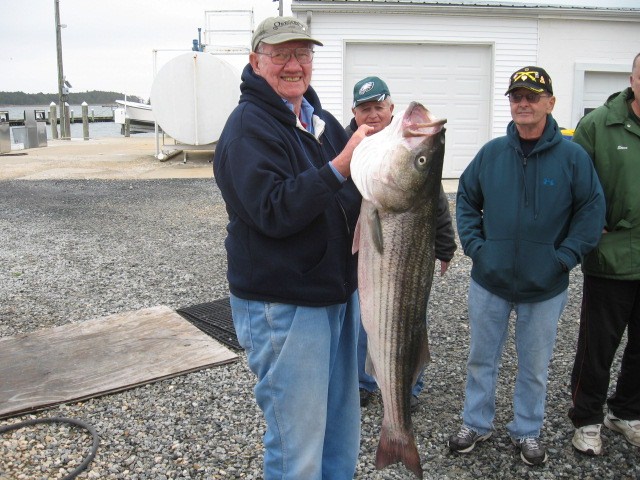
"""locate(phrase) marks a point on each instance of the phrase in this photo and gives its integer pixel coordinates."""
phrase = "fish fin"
(356, 238)
(369, 367)
(424, 357)
(376, 230)
(392, 449)
(425, 352)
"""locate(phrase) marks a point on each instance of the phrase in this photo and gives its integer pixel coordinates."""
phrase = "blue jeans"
(366, 381)
(535, 336)
(305, 363)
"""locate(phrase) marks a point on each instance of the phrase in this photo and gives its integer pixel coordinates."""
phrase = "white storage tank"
(192, 95)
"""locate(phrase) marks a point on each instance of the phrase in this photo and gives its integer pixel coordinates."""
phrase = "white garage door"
(598, 86)
(453, 81)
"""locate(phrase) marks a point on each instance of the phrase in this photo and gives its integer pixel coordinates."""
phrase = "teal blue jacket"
(611, 137)
(527, 221)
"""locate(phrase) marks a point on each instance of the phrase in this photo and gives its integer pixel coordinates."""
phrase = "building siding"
(514, 44)
(575, 44)
(592, 43)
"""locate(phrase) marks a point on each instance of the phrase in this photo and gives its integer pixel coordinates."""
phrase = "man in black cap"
(282, 165)
(529, 207)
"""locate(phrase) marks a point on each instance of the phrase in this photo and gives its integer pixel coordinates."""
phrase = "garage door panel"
(467, 109)
(598, 86)
(453, 81)
(462, 136)
(471, 86)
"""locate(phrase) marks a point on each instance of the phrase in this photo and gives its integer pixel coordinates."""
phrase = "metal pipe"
(195, 93)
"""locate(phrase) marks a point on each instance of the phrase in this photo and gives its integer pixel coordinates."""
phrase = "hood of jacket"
(618, 106)
(257, 90)
(550, 136)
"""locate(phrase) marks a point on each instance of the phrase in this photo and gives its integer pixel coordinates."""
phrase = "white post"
(85, 120)
(53, 119)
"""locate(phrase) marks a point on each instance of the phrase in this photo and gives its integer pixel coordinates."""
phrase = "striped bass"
(398, 171)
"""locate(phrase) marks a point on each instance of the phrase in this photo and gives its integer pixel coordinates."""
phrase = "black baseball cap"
(532, 78)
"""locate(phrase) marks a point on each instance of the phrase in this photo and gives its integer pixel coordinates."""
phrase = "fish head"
(399, 165)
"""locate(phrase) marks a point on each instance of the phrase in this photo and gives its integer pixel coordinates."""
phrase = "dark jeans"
(608, 307)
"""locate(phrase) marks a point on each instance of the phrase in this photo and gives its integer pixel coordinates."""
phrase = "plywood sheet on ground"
(105, 355)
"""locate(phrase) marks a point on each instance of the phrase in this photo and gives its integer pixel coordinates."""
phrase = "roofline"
(526, 11)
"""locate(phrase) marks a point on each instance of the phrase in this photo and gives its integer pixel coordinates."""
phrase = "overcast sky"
(109, 44)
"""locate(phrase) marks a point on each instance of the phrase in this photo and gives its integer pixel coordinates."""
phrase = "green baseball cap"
(274, 30)
(370, 89)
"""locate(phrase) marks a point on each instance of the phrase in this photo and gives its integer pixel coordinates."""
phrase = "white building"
(455, 57)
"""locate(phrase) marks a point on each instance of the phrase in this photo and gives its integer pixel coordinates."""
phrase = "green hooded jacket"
(611, 137)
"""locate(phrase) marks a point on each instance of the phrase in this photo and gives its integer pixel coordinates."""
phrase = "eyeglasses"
(531, 97)
(281, 56)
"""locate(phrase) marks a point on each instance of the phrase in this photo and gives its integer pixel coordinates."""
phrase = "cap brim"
(374, 98)
(518, 85)
(289, 37)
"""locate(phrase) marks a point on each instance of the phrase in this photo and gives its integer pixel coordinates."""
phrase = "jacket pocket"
(539, 270)
(618, 253)
(494, 263)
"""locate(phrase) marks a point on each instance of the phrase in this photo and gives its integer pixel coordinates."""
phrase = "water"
(96, 129)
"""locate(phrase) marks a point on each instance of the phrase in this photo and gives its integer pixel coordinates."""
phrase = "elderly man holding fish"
(373, 106)
(529, 208)
(282, 165)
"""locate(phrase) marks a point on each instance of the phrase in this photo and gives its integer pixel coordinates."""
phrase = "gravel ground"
(76, 250)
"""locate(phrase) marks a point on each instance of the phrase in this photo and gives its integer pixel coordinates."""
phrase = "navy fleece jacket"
(291, 220)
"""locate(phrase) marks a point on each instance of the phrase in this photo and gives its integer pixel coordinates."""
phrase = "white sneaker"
(587, 439)
(629, 428)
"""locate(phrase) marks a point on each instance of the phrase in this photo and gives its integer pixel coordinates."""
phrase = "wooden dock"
(19, 122)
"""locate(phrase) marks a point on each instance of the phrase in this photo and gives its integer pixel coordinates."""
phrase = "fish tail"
(393, 449)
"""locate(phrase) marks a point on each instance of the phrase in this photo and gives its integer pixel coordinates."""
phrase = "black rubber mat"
(214, 319)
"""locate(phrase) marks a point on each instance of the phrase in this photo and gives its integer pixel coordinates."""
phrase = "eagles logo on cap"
(365, 88)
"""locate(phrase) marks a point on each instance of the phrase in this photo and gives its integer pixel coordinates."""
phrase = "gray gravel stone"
(72, 250)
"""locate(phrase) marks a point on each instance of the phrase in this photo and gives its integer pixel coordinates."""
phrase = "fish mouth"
(424, 129)
(418, 121)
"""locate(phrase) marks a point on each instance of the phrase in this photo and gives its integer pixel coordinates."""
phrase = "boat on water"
(139, 116)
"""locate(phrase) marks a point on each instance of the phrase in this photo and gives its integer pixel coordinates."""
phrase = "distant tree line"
(93, 97)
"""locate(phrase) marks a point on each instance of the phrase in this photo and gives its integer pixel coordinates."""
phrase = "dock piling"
(53, 120)
(85, 120)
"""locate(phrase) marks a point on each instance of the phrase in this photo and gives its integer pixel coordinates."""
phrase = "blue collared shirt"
(306, 118)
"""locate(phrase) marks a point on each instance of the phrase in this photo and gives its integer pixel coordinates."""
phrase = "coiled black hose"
(72, 421)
